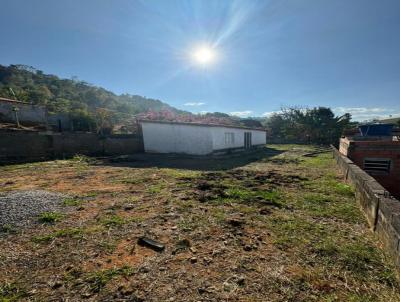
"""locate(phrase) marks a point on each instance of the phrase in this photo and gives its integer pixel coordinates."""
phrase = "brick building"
(377, 152)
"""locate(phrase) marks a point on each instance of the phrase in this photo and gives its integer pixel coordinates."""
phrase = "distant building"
(376, 149)
(27, 113)
(198, 139)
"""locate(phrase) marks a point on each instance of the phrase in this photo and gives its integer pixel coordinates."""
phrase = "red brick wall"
(359, 150)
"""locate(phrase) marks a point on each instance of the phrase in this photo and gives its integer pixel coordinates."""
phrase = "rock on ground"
(21, 208)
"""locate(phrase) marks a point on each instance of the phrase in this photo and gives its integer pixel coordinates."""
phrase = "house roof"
(200, 124)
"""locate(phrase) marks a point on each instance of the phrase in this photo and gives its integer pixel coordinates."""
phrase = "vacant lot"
(275, 225)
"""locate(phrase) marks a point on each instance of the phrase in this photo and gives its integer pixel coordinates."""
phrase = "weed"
(50, 217)
(343, 189)
(155, 189)
(97, 280)
(112, 221)
(72, 202)
(10, 292)
(294, 231)
(107, 246)
(72, 233)
(82, 159)
(8, 228)
(321, 205)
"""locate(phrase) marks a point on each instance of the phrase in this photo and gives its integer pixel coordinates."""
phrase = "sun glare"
(204, 55)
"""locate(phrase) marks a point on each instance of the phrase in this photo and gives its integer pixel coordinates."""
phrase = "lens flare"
(204, 55)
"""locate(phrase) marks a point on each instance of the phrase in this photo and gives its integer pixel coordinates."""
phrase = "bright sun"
(204, 55)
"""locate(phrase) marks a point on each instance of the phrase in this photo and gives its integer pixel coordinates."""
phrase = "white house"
(198, 139)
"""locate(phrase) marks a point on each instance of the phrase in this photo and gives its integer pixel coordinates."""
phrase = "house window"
(229, 138)
(377, 165)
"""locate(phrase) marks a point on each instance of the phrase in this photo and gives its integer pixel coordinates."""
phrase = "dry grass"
(271, 226)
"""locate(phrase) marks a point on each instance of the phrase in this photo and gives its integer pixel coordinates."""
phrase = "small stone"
(129, 206)
(265, 211)
(201, 290)
(86, 295)
(144, 270)
(55, 284)
(228, 287)
(247, 248)
(162, 268)
(240, 280)
(236, 222)
(183, 244)
(193, 260)
(193, 250)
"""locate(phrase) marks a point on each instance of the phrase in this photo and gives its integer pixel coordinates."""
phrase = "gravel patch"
(21, 208)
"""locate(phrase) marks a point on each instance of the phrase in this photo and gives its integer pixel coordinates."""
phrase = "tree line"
(311, 125)
(84, 103)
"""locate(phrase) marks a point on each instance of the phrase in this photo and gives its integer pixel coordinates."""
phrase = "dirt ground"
(274, 225)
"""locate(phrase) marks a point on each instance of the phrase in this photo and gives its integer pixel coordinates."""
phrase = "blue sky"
(268, 54)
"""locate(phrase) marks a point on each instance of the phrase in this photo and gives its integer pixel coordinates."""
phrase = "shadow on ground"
(200, 163)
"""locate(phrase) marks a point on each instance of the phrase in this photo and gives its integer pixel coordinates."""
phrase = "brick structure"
(379, 156)
(381, 210)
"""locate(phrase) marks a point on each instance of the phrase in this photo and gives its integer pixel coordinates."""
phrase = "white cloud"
(365, 113)
(269, 113)
(245, 113)
(194, 104)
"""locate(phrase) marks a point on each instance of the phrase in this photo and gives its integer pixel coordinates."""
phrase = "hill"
(72, 96)
(88, 105)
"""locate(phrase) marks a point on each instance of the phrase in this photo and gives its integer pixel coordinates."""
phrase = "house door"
(247, 140)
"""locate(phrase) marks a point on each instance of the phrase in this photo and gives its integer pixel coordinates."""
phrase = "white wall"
(258, 137)
(193, 139)
(176, 138)
(218, 136)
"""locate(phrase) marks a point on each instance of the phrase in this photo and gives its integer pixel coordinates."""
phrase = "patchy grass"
(275, 225)
(10, 292)
(50, 217)
(73, 202)
(97, 280)
(112, 221)
(64, 233)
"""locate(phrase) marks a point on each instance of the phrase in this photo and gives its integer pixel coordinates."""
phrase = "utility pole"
(16, 109)
(12, 91)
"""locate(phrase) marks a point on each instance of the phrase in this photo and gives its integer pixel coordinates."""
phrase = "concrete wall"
(31, 146)
(357, 151)
(194, 139)
(382, 210)
(27, 113)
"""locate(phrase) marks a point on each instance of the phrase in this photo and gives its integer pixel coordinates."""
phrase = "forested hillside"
(70, 96)
(94, 108)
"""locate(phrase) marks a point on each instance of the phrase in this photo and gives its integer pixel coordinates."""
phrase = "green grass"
(294, 231)
(240, 194)
(72, 202)
(50, 217)
(155, 189)
(112, 221)
(10, 292)
(8, 228)
(70, 233)
(97, 280)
